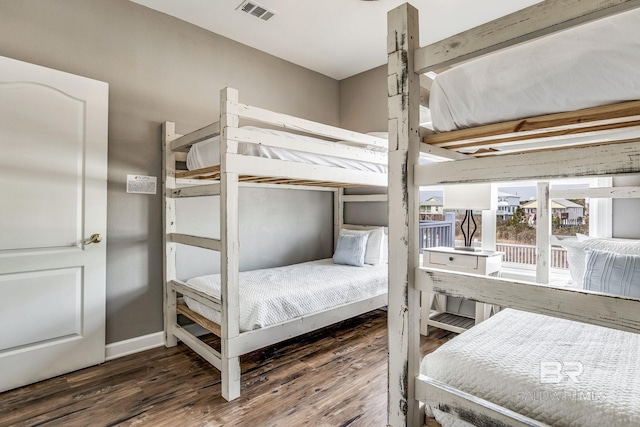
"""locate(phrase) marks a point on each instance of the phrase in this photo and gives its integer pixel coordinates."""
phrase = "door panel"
(53, 299)
(53, 170)
(42, 171)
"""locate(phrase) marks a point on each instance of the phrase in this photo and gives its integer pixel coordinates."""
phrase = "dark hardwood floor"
(333, 377)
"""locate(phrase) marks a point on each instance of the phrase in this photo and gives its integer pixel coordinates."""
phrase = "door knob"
(95, 238)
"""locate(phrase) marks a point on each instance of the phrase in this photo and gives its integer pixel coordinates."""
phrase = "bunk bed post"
(230, 252)
(169, 218)
(338, 213)
(543, 233)
(404, 300)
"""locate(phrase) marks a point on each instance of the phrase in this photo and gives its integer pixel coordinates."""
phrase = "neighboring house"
(507, 204)
(431, 205)
(570, 213)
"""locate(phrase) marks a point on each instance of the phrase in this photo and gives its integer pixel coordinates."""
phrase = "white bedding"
(207, 153)
(275, 295)
(500, 361)
(595, 64)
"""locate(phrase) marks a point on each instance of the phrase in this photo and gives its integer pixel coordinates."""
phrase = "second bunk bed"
(520, 365)
(252, 309)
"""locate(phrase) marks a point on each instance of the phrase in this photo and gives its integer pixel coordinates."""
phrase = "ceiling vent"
(255, 9)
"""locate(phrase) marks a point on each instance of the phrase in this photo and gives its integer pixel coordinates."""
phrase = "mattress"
(557, 371)
(207, 153)
(586, 66)
(275, 295)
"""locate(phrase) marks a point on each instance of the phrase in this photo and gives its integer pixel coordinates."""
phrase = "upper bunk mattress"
(207, 153)
(587, 66)
(275, 295)
(557, 371)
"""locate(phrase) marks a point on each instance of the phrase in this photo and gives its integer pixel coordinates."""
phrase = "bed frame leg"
(230, 378)
(170, 317)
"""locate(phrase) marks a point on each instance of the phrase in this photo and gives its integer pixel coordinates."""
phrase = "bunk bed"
(252, 309)
(595, 140)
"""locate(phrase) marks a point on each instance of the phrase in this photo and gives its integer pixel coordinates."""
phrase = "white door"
(53, 174)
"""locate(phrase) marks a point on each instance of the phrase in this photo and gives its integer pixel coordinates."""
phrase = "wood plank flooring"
(333, 377)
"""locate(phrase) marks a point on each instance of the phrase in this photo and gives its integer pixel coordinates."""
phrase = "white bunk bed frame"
(408, 390)
(236, 171)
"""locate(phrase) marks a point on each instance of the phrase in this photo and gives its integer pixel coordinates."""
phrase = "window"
(516, 218)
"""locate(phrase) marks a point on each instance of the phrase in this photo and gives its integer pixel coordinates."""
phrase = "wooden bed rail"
(611, 311)
(541, 19)
(614, 159)
(183, 142)
(468, 407)
(302, 125)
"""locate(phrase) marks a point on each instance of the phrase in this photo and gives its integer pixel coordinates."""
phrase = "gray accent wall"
(160, 68)
(363, 108)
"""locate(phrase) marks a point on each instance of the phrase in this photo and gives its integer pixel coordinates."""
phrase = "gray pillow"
(612, 273)
(350, 249)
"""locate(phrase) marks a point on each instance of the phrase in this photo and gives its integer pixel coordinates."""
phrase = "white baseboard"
(145, 342)
(133, 345)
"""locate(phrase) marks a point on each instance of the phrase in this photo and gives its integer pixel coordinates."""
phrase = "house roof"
(555, 204)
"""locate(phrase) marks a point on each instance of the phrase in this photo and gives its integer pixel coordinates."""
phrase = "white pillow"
(350, 249)
(576, 254)
(374, 253)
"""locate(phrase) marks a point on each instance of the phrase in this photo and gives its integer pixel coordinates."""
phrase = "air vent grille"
(257, 10)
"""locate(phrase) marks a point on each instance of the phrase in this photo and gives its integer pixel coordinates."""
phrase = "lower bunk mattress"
(207, 153)
(556, 371)
(274, 295)
(587, 66)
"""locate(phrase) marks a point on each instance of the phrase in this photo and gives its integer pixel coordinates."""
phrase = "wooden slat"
(527, 24)
(303, 125)
(213, 173)
(201, 242)
(259, 166)
(570, 162)
(204, 299)
(324, 149)
(604, 193)
(197, 191)
(443, 153)
(189, 139)
(606, 310)
(468, 407)
(206, 352)
(585, 120)
(199, 319)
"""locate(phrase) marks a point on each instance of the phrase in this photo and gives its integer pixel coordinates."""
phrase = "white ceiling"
(338, 38)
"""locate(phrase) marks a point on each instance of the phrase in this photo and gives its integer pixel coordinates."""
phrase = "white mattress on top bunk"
(274, 295)
(587, 66)
(500, 360)
(207, 153)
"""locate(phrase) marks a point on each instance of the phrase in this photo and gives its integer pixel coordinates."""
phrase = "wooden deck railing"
(438, 233)
(526, 254)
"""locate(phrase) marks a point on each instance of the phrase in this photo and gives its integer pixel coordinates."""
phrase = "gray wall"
(363, 108)
(160, 68)
(625, 211)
